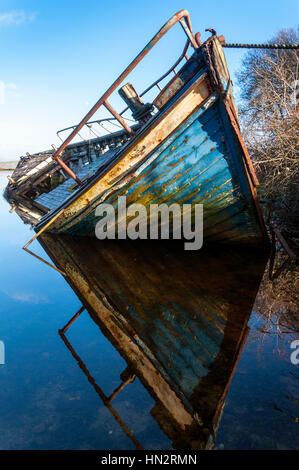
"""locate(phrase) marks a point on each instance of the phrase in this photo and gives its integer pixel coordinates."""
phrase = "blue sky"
(58, 57)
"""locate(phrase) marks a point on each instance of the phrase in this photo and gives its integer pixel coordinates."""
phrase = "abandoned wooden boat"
(184, 147)
(181, 335)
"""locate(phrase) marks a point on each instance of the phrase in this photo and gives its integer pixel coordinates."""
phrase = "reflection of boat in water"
(178, 319)
(184, 147)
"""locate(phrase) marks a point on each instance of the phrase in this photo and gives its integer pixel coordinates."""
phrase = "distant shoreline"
(4, 166)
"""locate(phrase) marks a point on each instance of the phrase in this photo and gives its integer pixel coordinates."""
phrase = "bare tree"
(270, 123)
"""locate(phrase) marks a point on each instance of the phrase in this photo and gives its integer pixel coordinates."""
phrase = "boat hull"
(201, 163)
(191, 152)
(179, 330)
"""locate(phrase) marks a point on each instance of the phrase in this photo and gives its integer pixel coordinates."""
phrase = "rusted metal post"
(67, 169)
(188, 32)
(126, 382)
(197, 39)
(119, 118)
(71, 321)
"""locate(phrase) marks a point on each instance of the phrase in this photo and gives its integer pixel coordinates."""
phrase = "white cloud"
(16, 17)
(27, 297)
(2, 92)
(3, 88)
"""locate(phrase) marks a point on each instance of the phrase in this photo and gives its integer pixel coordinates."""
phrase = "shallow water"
(46, 399)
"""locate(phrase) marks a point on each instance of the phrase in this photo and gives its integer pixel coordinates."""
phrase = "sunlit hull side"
(190, 152)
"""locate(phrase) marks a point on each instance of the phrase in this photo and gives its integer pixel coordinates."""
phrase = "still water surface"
(46, 399)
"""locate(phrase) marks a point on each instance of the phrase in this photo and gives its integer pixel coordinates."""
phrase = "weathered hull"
(180, 331)
(185, 147)
(199, 160)
(200, 163)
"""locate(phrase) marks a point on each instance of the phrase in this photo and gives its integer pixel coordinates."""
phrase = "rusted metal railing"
(183, 18)
(155, 83)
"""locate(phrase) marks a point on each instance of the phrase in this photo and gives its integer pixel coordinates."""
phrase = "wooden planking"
(178, 81)
(198, 166)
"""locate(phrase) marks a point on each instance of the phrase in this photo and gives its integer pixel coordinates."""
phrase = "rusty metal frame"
(183, 17)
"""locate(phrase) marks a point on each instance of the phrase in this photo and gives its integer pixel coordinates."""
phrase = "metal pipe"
(121, 387)
(188, 32)
(66, 168)
(168, 71)
(72, 320)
